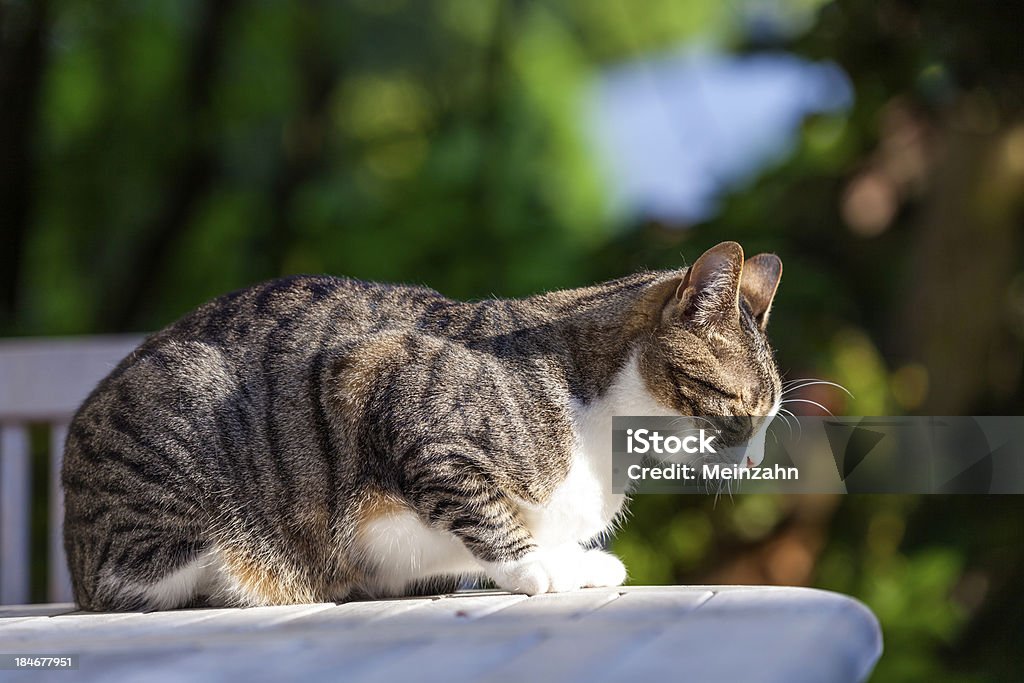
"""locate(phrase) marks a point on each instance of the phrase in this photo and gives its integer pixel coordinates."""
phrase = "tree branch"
(188, 184)
(23, 56)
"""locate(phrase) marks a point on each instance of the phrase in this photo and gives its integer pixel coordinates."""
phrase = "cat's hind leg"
(180, 587)
(251, 575)
(136, 575)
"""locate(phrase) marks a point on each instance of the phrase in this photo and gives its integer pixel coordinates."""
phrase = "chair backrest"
(42, 381)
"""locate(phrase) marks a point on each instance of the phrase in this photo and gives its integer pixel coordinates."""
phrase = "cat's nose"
(750, 463)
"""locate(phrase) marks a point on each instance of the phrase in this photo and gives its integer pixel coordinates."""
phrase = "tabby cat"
(318, 439)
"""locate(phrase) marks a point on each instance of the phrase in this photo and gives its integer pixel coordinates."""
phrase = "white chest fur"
(583, 506)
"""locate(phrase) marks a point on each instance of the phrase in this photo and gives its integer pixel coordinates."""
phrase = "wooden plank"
(351, 615)
(14, 513)
(174, 629)
(578, 656)
(637, 606)
(47, 379)
(59, 586)
(555, 607)
(46, 610)
(168, 629)
(459, 607)
(408, 614)
(790, 637)
(21, 632)
(854, 636)
(771, 634)
(267, 659)
(703, 587)
(520, 638)
(254, 618)
(468, 657)
(586, 646)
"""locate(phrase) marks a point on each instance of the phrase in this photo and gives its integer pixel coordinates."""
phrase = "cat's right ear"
(760, 280)
(710, 290)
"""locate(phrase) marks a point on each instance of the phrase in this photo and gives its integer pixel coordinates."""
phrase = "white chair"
(42, 381)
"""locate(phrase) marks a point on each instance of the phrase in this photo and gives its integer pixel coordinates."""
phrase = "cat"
(316, 438)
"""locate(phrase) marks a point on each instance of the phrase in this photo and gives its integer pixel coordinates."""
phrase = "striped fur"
(321, 438)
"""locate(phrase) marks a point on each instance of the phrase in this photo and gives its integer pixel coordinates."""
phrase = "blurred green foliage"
(156, 154)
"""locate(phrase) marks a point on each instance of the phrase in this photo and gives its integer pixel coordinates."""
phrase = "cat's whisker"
(786, 420)
(814, 382)
(784, 412)
(800, 380)
(679, 420)
(807, 400)
(723, 486)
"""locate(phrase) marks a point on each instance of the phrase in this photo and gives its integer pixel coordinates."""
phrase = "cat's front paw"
(545, 570)
(602, 569)
(557, 570)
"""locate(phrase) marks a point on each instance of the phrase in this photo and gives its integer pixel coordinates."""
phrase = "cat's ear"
(709, 291)
(760, 279)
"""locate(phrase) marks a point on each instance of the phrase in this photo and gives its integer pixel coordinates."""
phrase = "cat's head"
(708, 355)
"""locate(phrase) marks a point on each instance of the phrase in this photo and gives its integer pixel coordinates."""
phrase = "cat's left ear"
(758, 282)
(709, 292)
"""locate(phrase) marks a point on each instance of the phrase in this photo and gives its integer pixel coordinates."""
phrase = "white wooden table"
(700, 633)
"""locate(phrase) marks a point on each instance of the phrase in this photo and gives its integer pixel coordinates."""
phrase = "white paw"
(602, 569)
(545, 570)
(556, 570)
